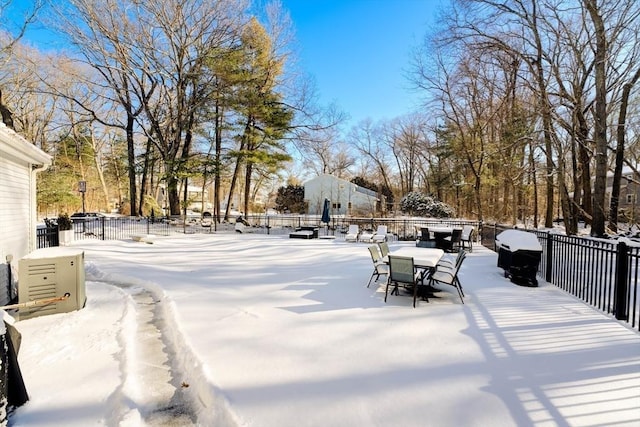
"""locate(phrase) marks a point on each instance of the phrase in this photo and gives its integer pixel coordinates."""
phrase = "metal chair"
(449, 276)
(384, 248)
(402, 271)
(467, 237)
(449, 263)
(379, 267)
(452, 242)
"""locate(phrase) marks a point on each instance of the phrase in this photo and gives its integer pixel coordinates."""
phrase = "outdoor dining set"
(418, 268)
(449, 239)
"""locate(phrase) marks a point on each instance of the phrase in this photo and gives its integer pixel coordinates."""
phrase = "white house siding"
(340, 192)
(14, 207)
(15, 218)
(18, 158)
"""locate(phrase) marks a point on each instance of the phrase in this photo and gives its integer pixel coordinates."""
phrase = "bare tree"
(370, 141)
(597, 226)
(10, 34)
(153, 57)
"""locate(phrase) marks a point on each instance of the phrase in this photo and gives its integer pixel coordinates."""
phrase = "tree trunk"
(600, 136)
(534, 183)
(620, 137)
(144, 179)
(218, 162)
(248, 170)
(131, 159)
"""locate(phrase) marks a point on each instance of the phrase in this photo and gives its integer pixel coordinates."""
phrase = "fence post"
(621, 286)
(549, 262)
(495, 232)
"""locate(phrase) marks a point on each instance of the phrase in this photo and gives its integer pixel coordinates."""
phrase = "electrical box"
(49, 274)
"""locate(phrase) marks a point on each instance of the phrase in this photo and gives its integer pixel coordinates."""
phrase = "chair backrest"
(375, 253)
(456, 235)
(382, 230)
(424, 234)
(401, 269)
(459, 263)
(467, 232)
(462, 254)
(384, 248)
(353, 229)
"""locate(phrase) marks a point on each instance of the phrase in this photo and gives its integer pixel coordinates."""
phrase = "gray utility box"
(50, 273)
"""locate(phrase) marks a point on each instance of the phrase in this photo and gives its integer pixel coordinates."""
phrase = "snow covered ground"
(258, 330)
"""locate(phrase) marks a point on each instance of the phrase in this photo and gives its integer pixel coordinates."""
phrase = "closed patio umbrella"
(326, 218)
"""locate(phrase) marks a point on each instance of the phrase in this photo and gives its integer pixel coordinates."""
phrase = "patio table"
(425, 259)
(440, 234)
(441, 229)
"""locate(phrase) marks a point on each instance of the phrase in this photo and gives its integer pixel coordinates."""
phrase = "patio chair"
(402, 272)
(452, 242)
(452, 263)
(366, 236)
(425, 241)
(207, 219)
(384, 248)
(448, 276)
(379, 267)
(352, 233)
(381, 234)
(467, 237)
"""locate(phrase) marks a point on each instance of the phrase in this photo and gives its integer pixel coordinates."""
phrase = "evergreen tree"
(291, 199)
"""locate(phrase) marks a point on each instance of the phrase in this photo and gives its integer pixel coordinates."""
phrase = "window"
(630, 198)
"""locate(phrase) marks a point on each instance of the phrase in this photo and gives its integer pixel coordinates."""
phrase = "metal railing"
(113, 228)
(104, 228)
(603, 273)
(47, 237)
(400, 228)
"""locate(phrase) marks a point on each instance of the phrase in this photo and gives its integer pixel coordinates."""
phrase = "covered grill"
(519, 254)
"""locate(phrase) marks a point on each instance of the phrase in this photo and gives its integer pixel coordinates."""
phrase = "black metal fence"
(603, 273)
(400, 228)
(104, 228)
(489, 233)
(113, 228)
(47, 237)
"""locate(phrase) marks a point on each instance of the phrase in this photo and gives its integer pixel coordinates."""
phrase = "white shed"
(20, 161)
(346, 197)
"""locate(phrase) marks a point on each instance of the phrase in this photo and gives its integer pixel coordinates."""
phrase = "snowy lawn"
(255, 330)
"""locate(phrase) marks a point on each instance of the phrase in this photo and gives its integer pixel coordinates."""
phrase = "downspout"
(35, 169)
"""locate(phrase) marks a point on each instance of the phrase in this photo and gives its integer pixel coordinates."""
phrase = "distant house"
(20, 161)
(628, 207)
(346, 197)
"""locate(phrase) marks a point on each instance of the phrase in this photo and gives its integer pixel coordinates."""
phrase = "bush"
(419, 204)
(64, 222)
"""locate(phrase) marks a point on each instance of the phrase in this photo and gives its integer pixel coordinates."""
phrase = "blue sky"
(358, 51)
